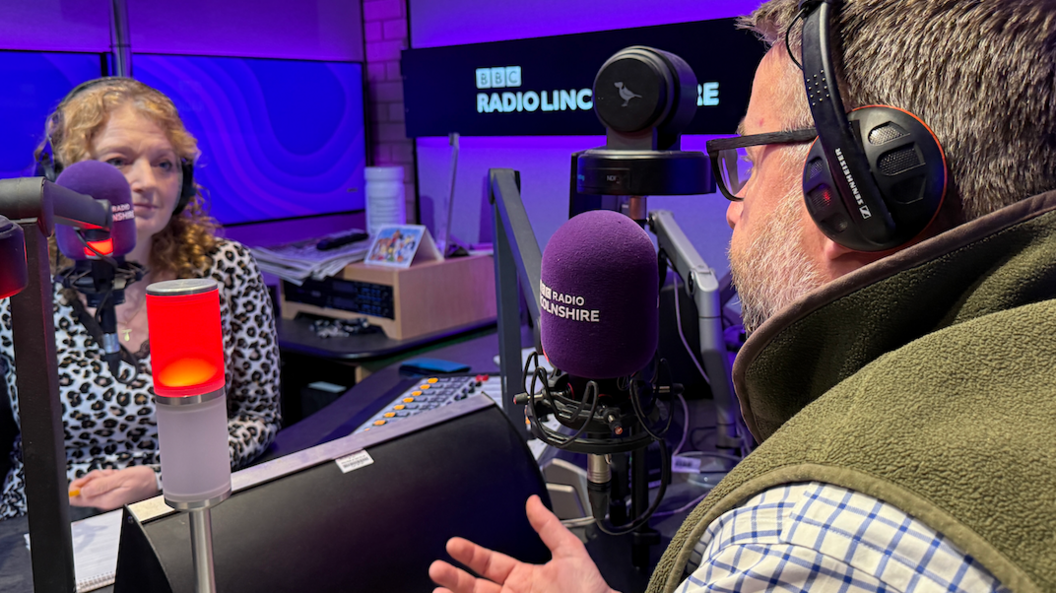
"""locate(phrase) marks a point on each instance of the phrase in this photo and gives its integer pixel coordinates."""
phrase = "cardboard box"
(425, 298)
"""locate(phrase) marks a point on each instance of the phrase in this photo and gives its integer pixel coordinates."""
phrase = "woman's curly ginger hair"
(182, 247)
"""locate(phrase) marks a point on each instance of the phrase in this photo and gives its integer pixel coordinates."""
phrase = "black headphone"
(876, 177)
(51, 167)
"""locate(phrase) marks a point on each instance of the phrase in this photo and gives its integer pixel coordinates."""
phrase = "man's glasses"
(729, 157)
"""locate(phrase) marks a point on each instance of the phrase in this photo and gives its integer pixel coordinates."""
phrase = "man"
(904, 399)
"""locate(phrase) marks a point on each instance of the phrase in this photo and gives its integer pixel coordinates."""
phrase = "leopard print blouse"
(111, 425)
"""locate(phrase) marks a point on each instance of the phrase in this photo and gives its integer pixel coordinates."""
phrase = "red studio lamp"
(187, 362)
(14, 274)
(186, 341)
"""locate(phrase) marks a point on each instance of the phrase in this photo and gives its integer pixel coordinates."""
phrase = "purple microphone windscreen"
(598, 297)
(102, 181)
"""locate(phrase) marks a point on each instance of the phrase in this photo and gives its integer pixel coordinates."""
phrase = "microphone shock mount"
(102, 280)
(611, 416)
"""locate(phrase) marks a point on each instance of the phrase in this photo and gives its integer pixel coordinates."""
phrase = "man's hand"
(108, 489)
(571, 568)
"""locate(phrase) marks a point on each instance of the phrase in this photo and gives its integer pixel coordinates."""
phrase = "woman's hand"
(108, 489)
(571, 568)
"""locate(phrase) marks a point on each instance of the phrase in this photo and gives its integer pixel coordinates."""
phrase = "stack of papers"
(95, 545)
(300, 260)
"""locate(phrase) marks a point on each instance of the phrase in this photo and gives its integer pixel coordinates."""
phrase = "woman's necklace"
(126, 333)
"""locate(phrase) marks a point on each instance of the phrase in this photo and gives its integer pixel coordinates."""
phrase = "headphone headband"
(104, 80)
(840, 141)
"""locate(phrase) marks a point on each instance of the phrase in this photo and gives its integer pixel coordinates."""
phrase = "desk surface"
(479, 353)
(296, 335)
(16, 569)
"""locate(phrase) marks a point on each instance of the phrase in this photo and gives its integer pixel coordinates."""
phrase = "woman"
(111, 431)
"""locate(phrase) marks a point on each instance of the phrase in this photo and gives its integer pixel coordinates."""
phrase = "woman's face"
(142, 151)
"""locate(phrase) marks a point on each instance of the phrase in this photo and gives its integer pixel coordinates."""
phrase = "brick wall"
(386, 33)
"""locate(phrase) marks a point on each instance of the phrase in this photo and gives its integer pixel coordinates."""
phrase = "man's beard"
(774, 269)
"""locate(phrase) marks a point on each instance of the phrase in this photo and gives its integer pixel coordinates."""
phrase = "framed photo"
(399, 246)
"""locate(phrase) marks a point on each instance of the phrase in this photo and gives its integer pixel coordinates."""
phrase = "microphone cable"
(556, 401)
(550, 437)
(636, 403)
(681, 334)
(602, 498)
(102, 256)
(742, 430)
(665, 479)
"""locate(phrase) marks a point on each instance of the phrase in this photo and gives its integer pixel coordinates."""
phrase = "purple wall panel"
(456, 22)
(316, 30)
(55, 25)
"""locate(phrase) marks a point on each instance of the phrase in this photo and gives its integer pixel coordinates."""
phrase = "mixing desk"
(416, 396)
(428, 394)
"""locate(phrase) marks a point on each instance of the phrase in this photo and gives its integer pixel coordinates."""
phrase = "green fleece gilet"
(926, 380)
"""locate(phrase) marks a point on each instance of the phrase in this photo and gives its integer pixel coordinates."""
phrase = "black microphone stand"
(645, 536)
(35, 204)
(103, 284)
(517, 264)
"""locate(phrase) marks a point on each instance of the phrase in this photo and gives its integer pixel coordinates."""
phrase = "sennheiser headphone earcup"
(49, 169)
(908, 166)
(187, 188)
(47, 166)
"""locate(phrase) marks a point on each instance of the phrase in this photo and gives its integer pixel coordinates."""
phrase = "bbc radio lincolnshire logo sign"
(499, 78)
(708, 94)
(509, 77)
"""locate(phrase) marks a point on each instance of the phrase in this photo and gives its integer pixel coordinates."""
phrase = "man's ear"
(834, 251)
(842, 260)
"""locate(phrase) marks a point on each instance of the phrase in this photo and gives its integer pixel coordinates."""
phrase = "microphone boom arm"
(517, 257)
(35, 204)
(506, 196)
(45, 202)
(706, 290)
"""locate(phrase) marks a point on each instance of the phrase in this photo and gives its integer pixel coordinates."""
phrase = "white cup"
(385, 198)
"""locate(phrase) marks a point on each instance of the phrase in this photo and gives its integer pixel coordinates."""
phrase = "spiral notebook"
(95, 542)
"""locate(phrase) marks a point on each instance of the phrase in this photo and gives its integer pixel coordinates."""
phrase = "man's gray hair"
(980, 73)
